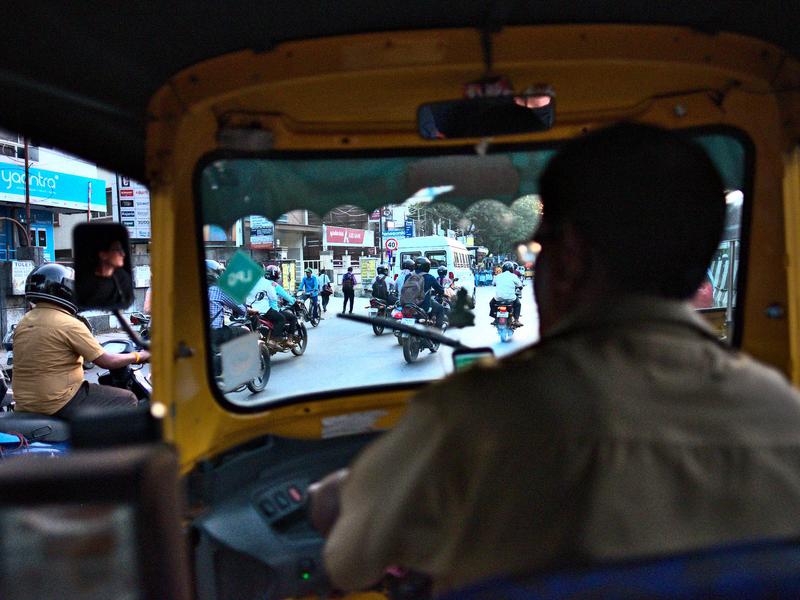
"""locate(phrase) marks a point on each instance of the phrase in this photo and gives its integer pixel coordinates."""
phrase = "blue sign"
(409, 229)
(49, 188)
(389, 233)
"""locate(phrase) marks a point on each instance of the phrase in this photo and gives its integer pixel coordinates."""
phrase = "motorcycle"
(307, 309)
(142, 321)
(129, 377)
(258, 383)
(378, 308)
(412, 344)
(397, 314)
(505, 321)
(297, 340)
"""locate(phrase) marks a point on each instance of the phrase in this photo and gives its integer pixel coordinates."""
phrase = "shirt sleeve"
(284, 294)
(83, 342)
(391, 512)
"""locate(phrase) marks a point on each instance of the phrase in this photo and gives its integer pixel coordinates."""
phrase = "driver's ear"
(573, 259)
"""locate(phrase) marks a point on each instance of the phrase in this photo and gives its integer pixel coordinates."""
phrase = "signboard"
(20, 269)
(395, 233)
(375, 215)
(369, 269)
(141, 276)
(134, 207)
(240, 276)
(262, 233)
(391, 244)
(409, 228)
(344, 236)
(49, 188)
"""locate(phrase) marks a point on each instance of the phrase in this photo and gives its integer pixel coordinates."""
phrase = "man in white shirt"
(505, 292)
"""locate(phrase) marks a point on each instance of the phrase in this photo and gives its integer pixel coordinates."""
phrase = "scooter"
(412, 344)
(504, 321)
(128, 377)
(142, 321)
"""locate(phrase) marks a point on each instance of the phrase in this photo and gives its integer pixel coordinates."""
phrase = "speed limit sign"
(391, 244)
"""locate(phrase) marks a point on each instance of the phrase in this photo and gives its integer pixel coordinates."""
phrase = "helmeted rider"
(310, 285)
(442, 278)
(383, 288)
(506, 284)
(273, 291)
(50, 346)
(220, 304)
(422, 265)
(408, 267)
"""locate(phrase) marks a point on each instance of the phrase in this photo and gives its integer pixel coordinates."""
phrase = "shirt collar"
(630, 309)
(44, 304)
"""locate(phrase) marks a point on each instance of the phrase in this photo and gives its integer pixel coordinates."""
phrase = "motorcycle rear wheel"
(377, 329)
(259, 383)
(505, 334)
(302, 333)
(410, 349)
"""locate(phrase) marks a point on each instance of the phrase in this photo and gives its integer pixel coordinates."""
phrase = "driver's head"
(631, 209)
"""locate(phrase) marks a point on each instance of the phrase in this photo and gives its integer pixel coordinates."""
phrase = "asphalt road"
(346, 354)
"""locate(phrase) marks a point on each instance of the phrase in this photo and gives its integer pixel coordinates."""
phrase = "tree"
(499, 227)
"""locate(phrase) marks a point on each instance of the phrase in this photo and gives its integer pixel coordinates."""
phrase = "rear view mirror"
(103, 276)
(488, 116)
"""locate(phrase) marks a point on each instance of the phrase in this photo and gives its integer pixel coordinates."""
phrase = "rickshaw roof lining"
(101, 63)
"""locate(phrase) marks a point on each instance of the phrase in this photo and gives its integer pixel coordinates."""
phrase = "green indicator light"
(306, 575)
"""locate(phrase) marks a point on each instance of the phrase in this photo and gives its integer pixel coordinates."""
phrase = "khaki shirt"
(50, 345)
(629, 432)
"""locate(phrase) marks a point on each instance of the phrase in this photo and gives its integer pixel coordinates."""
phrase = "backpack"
(379, 289)
(347, 281)
(413, 290)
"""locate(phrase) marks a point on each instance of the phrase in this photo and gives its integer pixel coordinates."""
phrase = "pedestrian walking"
(349, 289)
(326, 289)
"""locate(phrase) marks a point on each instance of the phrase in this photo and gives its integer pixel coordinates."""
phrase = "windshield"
(297, 240)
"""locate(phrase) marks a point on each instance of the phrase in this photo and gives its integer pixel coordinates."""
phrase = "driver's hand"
(144, 356)
(324, 500)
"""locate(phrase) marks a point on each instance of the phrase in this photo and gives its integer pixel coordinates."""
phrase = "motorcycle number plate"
(372, 312)
(407, 321)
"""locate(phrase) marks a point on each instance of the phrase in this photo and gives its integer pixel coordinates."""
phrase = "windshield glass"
(297, 240)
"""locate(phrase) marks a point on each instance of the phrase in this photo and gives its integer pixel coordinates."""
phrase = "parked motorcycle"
(297, 340)
(308, 316)
(412, 344)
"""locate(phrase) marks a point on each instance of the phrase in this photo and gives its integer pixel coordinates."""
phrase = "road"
(343, 353)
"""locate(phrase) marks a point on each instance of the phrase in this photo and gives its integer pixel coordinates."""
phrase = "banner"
(49, 188)
(134, 207)
(344, 236)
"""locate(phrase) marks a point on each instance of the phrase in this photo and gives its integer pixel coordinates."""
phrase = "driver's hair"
(649, 201)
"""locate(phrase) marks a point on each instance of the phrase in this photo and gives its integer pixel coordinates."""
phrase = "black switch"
(282, 500)
(268, 507)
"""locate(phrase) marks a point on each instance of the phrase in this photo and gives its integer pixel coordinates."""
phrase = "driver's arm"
(116, 361)
(390, 510)
(284, 294)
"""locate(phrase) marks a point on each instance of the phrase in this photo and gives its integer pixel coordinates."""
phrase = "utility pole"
(27, 193)
(89, 203)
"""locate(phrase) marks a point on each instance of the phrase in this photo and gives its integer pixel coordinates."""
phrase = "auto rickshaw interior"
(329, 118)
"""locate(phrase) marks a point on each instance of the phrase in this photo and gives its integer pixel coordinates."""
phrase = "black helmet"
(272, 273)
(213, 271)
(383, 270)
(52, 283)
(408, 263)
(442, 270)
(508, 266)
(422, 265)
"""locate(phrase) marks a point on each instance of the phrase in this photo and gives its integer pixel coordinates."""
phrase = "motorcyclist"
(422, 265)
(273, 291)
(382, 287)
(442, 278)
(408, 267)
(50, 346)
(219, 303)
(506, 284)
(310, 285)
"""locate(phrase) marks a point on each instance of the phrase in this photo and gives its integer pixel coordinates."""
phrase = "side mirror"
(103, 274)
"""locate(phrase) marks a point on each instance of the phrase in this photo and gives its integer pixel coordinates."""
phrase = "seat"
(35, 427)
(754, 570)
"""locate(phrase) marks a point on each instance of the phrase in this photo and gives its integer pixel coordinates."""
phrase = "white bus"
(439, 250)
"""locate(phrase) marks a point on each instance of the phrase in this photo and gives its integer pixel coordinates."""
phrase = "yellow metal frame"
(362, 92)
